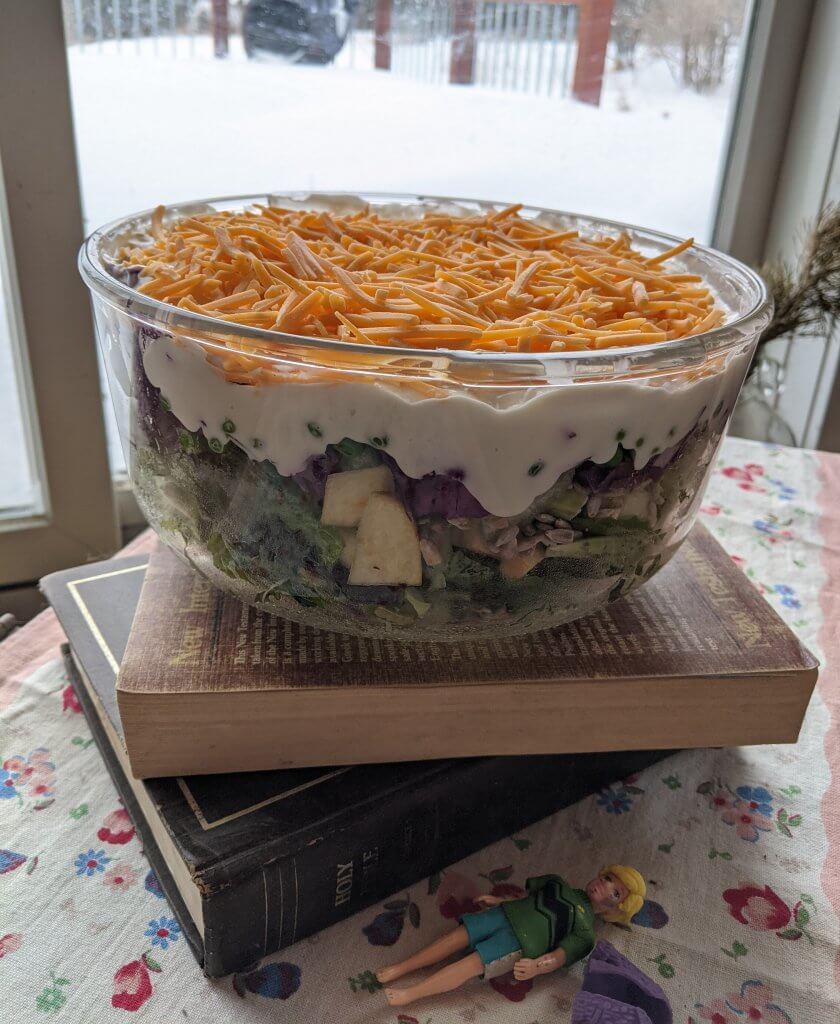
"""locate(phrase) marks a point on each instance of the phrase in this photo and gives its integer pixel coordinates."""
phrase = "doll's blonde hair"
(635, 898)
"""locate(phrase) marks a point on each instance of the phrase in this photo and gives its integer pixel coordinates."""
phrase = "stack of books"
(282, 778)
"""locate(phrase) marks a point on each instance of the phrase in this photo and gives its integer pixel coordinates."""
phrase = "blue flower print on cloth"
(163, 931)
(91, 862)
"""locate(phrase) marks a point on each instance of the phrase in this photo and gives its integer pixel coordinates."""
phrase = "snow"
(161, 128)
(163, 121)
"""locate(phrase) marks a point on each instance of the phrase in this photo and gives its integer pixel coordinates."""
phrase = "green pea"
(379, 442)
(229, 426)
(314, 430)
(188, 442)
(621, 435)
(536, 467)
(215, 444)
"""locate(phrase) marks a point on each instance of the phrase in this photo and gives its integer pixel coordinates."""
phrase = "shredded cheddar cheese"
(495, 281)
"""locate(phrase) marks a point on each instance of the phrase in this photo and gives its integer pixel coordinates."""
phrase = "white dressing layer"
(506, 455)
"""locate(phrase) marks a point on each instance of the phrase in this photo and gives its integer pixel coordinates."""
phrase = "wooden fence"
(548, 47)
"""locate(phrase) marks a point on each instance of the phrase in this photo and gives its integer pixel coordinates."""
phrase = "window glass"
(19, 489)
(614, 107)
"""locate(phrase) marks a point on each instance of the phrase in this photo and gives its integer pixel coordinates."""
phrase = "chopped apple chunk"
(347, 494)
(348, 537)
(387, 546)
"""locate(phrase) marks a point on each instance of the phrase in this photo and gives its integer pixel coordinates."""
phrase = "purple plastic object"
(612, 985)
(589, 1008)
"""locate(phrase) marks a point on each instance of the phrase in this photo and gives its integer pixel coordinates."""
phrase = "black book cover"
(267, 858)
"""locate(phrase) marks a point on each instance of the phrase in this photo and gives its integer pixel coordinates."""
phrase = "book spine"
(392, 846)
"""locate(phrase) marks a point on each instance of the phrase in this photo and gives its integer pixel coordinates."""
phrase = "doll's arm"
(551, 961)
(525, 969)
(492, 901)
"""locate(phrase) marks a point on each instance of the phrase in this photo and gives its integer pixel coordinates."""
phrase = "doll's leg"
(444, 980)
(440, 949)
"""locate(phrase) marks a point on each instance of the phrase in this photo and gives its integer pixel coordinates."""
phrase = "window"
(19, 485)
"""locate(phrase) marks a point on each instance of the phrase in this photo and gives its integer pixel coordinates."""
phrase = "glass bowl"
(430, 494)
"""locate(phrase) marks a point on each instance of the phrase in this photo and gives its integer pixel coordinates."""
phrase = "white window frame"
(61, 387)
(783, 166)
(809, 179)
(51, 323)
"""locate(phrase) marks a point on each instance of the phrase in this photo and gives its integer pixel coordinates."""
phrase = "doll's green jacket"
(552, 916)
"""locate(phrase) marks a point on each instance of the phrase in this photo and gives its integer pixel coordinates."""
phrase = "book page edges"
(303, 728)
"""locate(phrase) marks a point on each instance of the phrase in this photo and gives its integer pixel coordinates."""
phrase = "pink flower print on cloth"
(69, 700)
(116, 828)
(717, 1012)
(132, 986)
(748, 478)
(758, 907)
(456, 895)
(755, 1003)
(34, 776)
(120, 877)
(720, 800)
(747, 820)
(10, 943)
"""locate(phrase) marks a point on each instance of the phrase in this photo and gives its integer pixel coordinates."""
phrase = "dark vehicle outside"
(302, 31)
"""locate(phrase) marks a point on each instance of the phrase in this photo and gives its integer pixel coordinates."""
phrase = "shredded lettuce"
(302, 515)
(355, 455)
(562, 500)
(467, 572)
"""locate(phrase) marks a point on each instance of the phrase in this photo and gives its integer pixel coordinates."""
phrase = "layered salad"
(334, 468)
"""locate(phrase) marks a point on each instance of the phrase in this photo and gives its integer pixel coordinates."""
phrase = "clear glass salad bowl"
(429, 494)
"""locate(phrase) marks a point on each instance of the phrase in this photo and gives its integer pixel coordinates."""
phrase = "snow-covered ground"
(164, 121)
(162, 128)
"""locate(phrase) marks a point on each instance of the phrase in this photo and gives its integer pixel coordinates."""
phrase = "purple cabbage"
(599, 477)
(160, 426)
(436, 494)
(128, 275)
(312, 479)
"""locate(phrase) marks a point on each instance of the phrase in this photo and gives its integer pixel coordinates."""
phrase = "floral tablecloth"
(741, 847)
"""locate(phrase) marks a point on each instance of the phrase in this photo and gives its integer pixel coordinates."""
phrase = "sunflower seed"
(560, 536)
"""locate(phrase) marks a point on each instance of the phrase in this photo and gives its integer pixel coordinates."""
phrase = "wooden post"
(221, 28)
(382, 35)
(594, 20)
(462, 65)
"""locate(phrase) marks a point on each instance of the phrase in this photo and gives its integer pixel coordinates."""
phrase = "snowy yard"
(164, 128)
(163, 121)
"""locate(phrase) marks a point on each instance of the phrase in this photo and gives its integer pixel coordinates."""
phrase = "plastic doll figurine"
(550, 927)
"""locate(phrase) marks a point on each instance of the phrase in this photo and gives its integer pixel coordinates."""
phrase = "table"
(741, 846)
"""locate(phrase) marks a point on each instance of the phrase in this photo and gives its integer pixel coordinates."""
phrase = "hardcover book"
(252, 862)
(211, 685)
